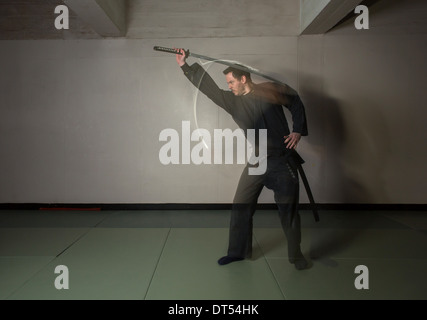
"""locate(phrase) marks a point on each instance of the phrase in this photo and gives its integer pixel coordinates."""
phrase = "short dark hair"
(238, 73)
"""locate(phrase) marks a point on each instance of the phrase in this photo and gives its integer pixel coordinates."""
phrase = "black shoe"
(226, 260)
(299, 261)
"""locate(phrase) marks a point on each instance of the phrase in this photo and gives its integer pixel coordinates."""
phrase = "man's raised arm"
(203, 81)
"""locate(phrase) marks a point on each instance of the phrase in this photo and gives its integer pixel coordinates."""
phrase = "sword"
(308, 190)
(295, 159)
(227, 63)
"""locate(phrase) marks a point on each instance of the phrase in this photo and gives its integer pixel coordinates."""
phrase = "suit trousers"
(282, 178)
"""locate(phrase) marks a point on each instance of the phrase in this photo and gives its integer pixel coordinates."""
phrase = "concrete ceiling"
(34, 19)
(157, 19)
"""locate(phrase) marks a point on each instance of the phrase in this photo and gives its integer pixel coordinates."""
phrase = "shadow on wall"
(351, 142)
(366, 152)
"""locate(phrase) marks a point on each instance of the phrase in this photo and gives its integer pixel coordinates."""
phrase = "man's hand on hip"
(292, 140)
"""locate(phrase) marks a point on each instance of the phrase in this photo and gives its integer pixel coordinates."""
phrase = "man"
(259, 106)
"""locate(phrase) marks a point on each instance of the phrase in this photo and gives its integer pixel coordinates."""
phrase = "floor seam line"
(81, 236)
(157, 264)
(105, 218)
(29, 279)
(269, 267)
(72, 243)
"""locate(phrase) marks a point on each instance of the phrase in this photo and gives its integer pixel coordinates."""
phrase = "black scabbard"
(308, 190)
(297, 161)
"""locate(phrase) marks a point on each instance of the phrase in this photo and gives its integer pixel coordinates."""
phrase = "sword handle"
(170, 50)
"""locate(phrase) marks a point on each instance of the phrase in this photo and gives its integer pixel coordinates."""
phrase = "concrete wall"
(365, 91)
(80, 120)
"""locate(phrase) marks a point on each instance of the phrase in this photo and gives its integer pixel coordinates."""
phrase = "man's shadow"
(331, 131)
(356, 146)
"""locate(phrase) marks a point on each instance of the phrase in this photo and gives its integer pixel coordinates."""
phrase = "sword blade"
(224, 62)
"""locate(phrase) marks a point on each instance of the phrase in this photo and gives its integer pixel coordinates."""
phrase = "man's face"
(235, 85)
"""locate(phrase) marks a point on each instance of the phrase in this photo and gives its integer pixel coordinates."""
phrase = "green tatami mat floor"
(172, 255)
